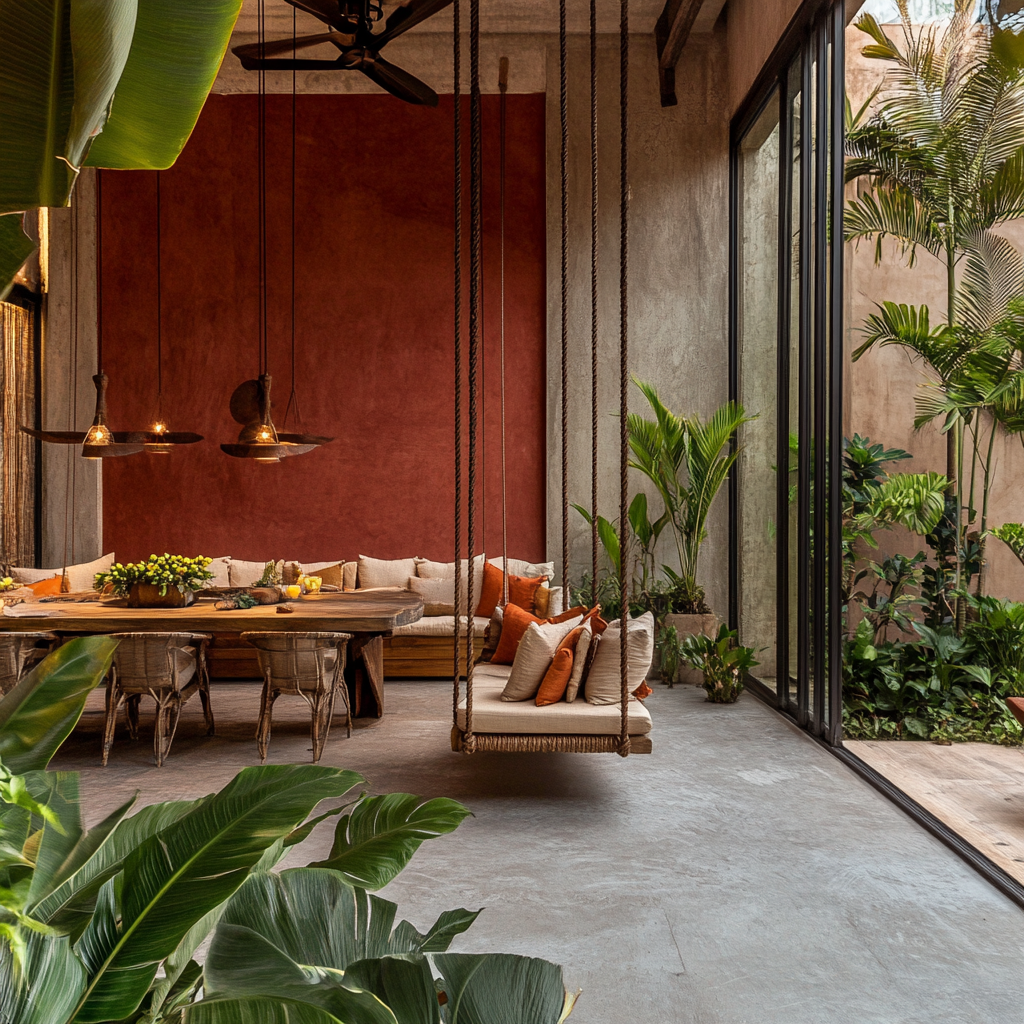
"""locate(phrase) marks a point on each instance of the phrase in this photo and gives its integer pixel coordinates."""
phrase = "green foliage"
(40, 712)
(161, 571)
(996, 635)
(668, 644)
(896, 585)
(724, 663)
(270, 578)
(1012, 535)
(936, 687)
(688, 460)
(101, 925)
(109, 83)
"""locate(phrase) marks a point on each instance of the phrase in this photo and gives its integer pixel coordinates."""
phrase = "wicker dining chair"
(21, 652)
(306, 665)
(170, 668)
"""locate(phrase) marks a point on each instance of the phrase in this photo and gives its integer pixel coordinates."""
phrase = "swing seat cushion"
(523, 718)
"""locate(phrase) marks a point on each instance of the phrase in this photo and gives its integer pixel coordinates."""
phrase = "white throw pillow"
(378, 572)
(438, 595)
(349, 575)
(579, 661)
(603, 684)
(520, 567)
(220, 567)
(246, 574)
(81, 577)
(428, 570)
(533, 658)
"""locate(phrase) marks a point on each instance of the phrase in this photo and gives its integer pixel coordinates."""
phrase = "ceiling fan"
(351, 24)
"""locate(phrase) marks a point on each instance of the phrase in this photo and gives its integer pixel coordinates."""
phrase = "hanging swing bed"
(482, 720)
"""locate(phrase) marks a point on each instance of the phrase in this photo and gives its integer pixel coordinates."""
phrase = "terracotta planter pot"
(146, 595)
(692, 625)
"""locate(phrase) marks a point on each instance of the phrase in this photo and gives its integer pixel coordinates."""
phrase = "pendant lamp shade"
(259, 439)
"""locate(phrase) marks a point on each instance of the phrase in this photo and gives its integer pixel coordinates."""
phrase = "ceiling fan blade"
(274, 64)
(278, 47)
(407, 16)
(326, 10)
(148, 437)
(304, 439)
(56, 436)
(398, 82)
(110, 451)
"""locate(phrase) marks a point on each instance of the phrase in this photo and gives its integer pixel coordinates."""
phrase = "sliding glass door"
(786, 363)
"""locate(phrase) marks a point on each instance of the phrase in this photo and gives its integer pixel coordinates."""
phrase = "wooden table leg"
(364, 674)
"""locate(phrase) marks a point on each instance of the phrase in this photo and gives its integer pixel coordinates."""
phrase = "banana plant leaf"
(176, 52)
(350, 925)
(65, 900)
(180, 875)
(40, 712)
(41, 979)
(378, 837)
(257, 1010)
(482, 988)
(15, 248)
(405, 984)
(242, 964)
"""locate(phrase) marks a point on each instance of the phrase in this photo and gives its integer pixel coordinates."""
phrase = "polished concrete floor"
(738, 875)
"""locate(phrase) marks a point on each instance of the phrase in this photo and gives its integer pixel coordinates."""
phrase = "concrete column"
(72, 526)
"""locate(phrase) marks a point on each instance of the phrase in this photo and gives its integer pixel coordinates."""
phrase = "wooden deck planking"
(977, 789)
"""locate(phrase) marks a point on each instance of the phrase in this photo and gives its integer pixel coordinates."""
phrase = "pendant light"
(99, 441)
(259, 439)
(159, 439)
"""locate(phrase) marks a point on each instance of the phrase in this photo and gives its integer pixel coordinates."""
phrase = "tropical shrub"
(724, 663)
(102, 925)
(668, 645)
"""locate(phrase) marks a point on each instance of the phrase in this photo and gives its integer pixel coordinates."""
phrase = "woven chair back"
(160, 661)
(299, 662)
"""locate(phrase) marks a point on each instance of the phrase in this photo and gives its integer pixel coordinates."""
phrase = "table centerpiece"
(162, 581)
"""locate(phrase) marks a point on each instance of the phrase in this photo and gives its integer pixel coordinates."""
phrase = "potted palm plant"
(722, 661)
(162, 581)
(687, 459)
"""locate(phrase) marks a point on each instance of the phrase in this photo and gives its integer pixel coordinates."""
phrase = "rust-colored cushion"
(572, 613)
(572, 639)
(556, 679)
(522, 590)
(490, 591)
(45, 588)
(514, 623)
(1016, 705)
(594, 617)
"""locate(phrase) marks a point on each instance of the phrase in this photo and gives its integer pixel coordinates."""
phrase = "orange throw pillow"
(522, 590)
(571, 640)
(490, 591)
(514, 624)
(556, 679)
(45, 588)
(594, 617)
(572, 613)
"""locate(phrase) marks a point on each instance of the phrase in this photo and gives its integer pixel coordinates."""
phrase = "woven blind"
(17, 450)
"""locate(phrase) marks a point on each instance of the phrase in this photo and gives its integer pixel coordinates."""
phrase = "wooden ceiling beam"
(671, 32)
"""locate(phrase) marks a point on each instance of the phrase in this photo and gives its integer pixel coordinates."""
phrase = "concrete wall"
(72, 495)
(678, 281)
(881, 386)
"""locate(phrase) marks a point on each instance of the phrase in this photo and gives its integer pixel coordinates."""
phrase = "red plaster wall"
(374, 312)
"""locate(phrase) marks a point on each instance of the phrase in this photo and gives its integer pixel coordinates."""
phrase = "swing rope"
(563, 62)
(457, 90)
(502, 161)
(475, 281)
(624, 361)
(594, 325)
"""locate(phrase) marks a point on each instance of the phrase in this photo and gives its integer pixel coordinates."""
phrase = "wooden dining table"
(369, 617)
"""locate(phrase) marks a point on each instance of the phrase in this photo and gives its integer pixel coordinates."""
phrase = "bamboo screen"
(17, 450)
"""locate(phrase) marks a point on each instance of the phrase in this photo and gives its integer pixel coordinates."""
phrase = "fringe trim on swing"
(507, 743)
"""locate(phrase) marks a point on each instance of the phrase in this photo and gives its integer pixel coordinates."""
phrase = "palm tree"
(942, 157)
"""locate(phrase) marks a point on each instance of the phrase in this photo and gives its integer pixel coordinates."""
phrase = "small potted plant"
(723, 662)
(163, 581)
(668, 645)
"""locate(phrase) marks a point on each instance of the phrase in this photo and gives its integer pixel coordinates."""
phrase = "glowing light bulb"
(158, 428)
(265, 436)
(98, 434)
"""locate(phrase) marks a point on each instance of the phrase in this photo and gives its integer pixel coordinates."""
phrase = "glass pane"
(796, 126)
(758, 309)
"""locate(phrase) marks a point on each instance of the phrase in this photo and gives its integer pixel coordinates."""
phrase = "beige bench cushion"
(441, 625)
(492, 714)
